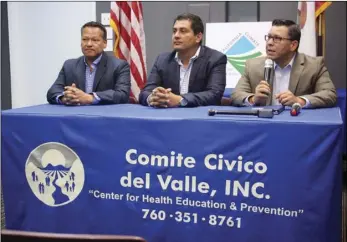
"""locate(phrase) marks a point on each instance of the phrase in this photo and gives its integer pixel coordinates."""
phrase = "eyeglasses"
(276, 39)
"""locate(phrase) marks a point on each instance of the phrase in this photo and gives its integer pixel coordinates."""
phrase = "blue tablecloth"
(173, 174)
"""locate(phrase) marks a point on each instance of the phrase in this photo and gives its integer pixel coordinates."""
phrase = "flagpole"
(323, 33)
(320, 37)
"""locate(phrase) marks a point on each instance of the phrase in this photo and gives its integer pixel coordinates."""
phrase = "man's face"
(278, 44)
(183, 37)
(92, 43)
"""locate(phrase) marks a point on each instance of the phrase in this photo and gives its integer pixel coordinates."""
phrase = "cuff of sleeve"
(96, 99)
(183, 102)
(147, 100)
(307, 104)
(57, 99)
(247, 103)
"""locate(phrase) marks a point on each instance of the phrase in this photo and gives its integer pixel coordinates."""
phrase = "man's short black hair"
(197, 25)
(294, 31)
(196, 22)
(95, 25)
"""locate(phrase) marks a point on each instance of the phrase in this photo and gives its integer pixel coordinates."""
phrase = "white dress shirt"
(281, 80)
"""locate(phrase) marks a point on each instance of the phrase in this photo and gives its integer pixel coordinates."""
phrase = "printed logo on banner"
(243, 47)
(55, 174)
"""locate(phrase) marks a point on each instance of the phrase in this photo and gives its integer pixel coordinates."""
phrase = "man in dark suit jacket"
(192, 75)
(94, 78)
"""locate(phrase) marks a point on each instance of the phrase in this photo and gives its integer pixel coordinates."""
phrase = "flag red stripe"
(125, 9)
(132, 34)
(124, 6)
(134, 38)
(125, 36)
(136, 42)
(122, 30)
(142, 60)
(136, 74)
(114, 18)
(136, 10)
(121, 56)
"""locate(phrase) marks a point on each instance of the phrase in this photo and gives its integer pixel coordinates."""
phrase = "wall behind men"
(158, 20)
(159, 16)
(42, 35)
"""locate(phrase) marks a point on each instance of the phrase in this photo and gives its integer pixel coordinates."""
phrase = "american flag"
(127, 23)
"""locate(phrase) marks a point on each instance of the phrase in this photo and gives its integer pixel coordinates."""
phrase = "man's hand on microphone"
(262, 93)
(287, 98)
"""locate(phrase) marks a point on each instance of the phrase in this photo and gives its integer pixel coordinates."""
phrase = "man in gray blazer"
(191, 75)
(95, 77)
(298, 78)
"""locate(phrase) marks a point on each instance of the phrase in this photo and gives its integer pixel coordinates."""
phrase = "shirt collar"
(289, 65)
(192, 58)
(95, 62)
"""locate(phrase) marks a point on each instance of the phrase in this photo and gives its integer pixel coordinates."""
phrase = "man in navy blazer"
(95, 77)
(192, 75)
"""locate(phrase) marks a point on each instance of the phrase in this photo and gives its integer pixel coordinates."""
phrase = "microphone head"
(211, 112)
(268, 63)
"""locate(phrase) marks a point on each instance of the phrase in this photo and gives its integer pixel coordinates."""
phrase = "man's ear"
(199, 37)
(294, 45)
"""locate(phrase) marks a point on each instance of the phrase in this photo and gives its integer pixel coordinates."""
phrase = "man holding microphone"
(296, 77)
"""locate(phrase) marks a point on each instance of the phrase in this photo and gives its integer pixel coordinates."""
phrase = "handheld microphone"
(296, 109)
(261, 113)
(268, 69)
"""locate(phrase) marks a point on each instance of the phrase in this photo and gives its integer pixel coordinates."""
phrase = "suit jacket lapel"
(100, 71)
(80, 78)
(297, 69)
(196, 67)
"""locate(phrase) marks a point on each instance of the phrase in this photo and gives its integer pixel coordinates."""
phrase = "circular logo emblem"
(55, 174)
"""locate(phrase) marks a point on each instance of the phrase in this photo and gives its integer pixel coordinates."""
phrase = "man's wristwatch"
(183, 102)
